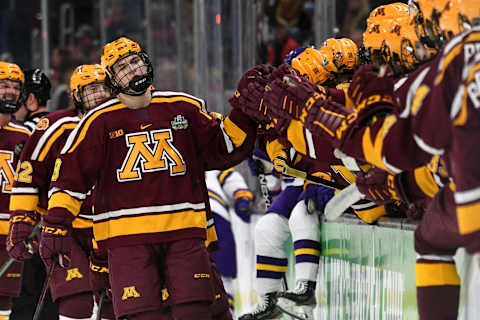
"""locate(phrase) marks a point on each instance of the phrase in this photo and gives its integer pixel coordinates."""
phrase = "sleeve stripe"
(463, 197)
(12, 127)
(411, 92)
(201, 102)
(311, 147)
(77, 195)
(50, 131)
(457, 102)
(25, 190)
(78, 134)
(228, 142)
(425, 147)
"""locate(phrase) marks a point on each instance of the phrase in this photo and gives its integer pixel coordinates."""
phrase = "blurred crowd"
(282, 26)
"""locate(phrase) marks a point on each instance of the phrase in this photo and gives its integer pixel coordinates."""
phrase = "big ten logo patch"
(150, 151)
(73, 273)
(130, 292)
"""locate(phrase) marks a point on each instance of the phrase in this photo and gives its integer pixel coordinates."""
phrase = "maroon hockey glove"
(372, 89)
(288, 97)
(56, 241)
(20, 227)
(99, 274)
(250, 101)
(248, 96)
(378, 186)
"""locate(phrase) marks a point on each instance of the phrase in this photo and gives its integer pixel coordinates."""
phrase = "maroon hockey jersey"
(147, 166)
(12, 141)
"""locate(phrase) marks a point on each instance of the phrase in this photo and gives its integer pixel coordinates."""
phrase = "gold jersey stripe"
(211, 235)
(213, 195)
(9, 128)
(436, 274)
(425, 181)
(136, 225)
(64, 200)
(89, 120)
(296, 136)
(468, 217)
(4, 227)
(371, 215)
(53, 138)
(26, 202)
(80, 223)
(196, 103)
(236, 134)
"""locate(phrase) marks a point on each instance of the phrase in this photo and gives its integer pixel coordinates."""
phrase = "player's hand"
(372, 87)
(243, 203)
(20, 227)
(289, 96)
(249, 94)
(99, 273)
(56, 242)
(316, 197)
(280, 163)
(378, 186)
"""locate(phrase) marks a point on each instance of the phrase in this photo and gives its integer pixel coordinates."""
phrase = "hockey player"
(35, 96)
(224, 186)
(70, 287)
(151, 151)
(439, 97)
(12, 141)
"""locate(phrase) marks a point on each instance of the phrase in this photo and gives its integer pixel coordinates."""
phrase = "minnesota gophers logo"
(42, 124)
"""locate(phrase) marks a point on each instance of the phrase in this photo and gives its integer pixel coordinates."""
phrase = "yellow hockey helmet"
(11, 71)
(469, 13)
(343, 54)
(120, 49)
(437, 21)
(310, 64)
(83, 76)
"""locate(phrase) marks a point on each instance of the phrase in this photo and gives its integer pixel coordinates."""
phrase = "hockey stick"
(46, 285)
(32, 234)
(291, 172)
(291, 314)
(263, 184)
(341, 201)
(100, 304)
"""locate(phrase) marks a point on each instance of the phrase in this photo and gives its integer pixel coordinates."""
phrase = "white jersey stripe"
(153, 209)
(174, 93)
(25, 190)
(48, 133)
(462, 197)
(73, 134)
(77, 195)
(425, 147)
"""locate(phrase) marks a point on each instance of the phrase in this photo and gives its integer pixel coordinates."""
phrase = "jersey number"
(6, 170)
(150, 151)
(24, 172)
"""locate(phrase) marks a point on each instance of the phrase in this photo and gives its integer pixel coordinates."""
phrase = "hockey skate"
(303, 294)
(300, 302)
(265, 309)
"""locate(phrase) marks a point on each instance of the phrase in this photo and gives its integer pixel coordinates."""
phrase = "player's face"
(128, 68)
(9, 90)
(93, 94)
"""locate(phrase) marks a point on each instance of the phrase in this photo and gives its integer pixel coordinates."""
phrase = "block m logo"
(130, 292)
(150, 151)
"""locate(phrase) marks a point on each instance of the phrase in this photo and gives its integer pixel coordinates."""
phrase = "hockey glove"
(243, 202)
(280, 162)
(378, 186)
(372, 89)
(99, 274)
(56, 241)
(249, 94)
(316, 197)
(20, 227)
(288, 97)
